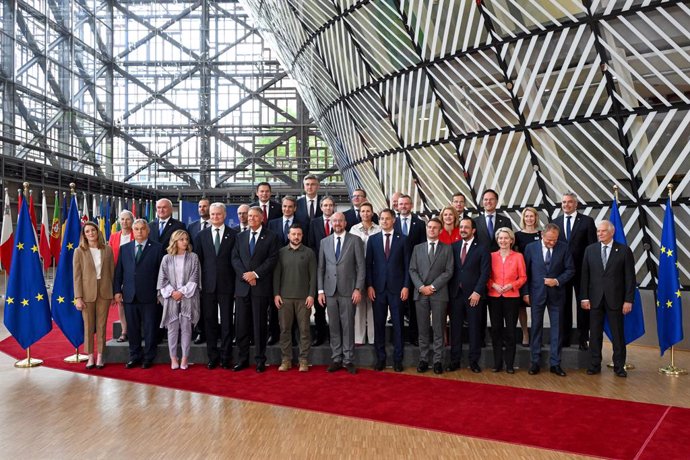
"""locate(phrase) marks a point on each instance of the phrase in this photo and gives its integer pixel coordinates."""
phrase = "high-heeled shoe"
(90, 366)
(100, 366)
(174, 364)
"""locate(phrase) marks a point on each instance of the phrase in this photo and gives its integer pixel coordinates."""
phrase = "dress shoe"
(212, 364)
(621, 373)
(226, 365)
(583, 346)
(534, 369)
(351, 368)
(335, 366)
(475, 368)
(510, 370)
(100, 366)
(272, 340)
(199, 339)
(496, 369)
(438, 368)
(593, 371)
(261, 367)
(380, 365)
(147, 365)
(317, 342)
(414, 342)
(453, 366)
(422, 367)
(397, 366)
(133, 363)
(558, 370)
(240, 366)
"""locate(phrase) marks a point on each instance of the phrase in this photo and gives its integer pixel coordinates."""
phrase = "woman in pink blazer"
(508, 274)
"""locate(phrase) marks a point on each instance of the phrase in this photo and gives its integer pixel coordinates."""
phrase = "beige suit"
(96, 293)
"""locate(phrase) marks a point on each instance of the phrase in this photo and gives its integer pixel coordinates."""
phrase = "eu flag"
(669, 315)
(27, 312)
(65, 312)
(633, 322)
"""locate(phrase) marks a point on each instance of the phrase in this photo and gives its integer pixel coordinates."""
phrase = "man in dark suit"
(359, 196)
(414, 229)
(270, 209)
(578, 231)
(136, 275)
(203, 223)
(549, 268)
(254, 257)
(161, 228)
(388, 278)
(467, 294)
(309, 205)
(242, 217)
(320, 228)
(214, 247)
(608, 288)
(458, 202)
(431, 268)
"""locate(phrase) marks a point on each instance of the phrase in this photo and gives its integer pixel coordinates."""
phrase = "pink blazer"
(512, 271)
(114, 244)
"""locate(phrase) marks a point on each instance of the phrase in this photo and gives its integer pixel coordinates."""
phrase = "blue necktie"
(490, 226)
(286, 229)
(547, 259)
(404, 227)
(337, 250)
(252, 244)
(568, 228)
(161, 227)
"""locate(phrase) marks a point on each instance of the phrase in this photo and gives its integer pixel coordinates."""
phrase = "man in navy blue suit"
(309, 205)
(254, 257)
(203, 223)
(359, 196)
(467, 294)
(162, 228)
(549, 268)
(388, 278)
(270, 208)
(136, 275)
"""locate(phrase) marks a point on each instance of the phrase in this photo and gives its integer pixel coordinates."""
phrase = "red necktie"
(387, 247)
(265, 215)
(463, 254)
(327, 228)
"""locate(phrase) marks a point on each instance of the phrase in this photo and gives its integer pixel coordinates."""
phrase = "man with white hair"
(161, 228)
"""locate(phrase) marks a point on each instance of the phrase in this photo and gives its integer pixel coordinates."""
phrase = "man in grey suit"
(340, 280)
(431, 267)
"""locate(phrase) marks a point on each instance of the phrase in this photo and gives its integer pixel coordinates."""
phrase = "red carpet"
(578, 424)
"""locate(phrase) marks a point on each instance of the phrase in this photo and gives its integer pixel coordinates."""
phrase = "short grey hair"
(126, 213)
(218, 205)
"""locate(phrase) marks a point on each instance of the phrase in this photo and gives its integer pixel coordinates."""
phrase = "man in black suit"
(161, 228)
(254, 257)
(467, 294)
(136, 275)
(270, 208)
(578, 231)
(203, 223)
(309, 205)
(359, 196)
(458, 202)
(214, 247)
(320, 228)
(414, 229)
(242, 217)
(608, 288)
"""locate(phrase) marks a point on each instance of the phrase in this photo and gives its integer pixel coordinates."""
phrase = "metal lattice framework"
(529, 97)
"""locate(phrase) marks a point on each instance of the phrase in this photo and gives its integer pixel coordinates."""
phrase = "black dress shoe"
(534, 369)
(146, 365)
(225, 365)
(133, 363)
(240, 366)
(558, 371)
(422, 367)
(583, 346)
(453, 366)
(212, 364)
(199, 339)
(414, 342)
(351, 368)
(496, 369)
(593, 371)
(380, 365)
(335, 366)
(261, 367)
(397, 366)
(438, 368)
(621, 373)
(510, 370)
(272, 340)
(475, 368)
(317, 341)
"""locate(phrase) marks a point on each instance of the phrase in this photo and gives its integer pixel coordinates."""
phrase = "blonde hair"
(510, 233)
(83, 243)
(536, 216)
(453, 211)
(174, 238)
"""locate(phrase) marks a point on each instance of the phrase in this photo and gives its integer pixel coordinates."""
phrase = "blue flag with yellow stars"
(27, 312)
(669, 315)
(63, 303)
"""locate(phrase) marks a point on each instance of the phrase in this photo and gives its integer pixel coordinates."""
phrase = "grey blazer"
(346, 274)
(424, 272)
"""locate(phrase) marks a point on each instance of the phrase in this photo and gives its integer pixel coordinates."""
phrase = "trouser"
(341, 314)
(616, 322)
(95, 319)
(364, 321)
(252, 319)
(180, 332)
(383, 301)
(504, 314)
(430, 314)
(291, 309)
(460, 310)
(142, 317)
(211, 305)
(554, 310)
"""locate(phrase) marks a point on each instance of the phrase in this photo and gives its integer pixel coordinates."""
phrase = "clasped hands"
(501, 289)
(250, 278)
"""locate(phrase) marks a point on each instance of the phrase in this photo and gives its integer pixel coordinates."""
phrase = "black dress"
(522, 239)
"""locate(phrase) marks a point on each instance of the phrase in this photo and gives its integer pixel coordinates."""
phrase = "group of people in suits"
(260, 282)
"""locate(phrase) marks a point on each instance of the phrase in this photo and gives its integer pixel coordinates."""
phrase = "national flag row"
(104, 211)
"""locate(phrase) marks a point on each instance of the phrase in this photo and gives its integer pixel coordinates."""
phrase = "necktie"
(337, 249)
(463, 253)
(604, 256)
(137, 256)
(205, 225)
(432, 250)
(490, 226)
(327, 228)
(387, 247)
(216, 241)
(265, 214)
(252, 244)
(404, 226)
(567, 228)
(547, 259)
(357, 215)
(286, 229)
(311, 209)
(161, 227)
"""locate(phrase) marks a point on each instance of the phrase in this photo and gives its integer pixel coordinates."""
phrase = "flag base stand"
(29, 361)
(76, 357)
(672, 370)
(627, 366)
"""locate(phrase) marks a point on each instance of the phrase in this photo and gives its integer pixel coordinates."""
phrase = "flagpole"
(671, 369)
(29, 361)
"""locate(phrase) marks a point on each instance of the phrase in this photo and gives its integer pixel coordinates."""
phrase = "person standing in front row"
(608, 289)
(549, 266)
(136, 275)
(431, 268)
(294, 285)
(340, 281)
(178, 289)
